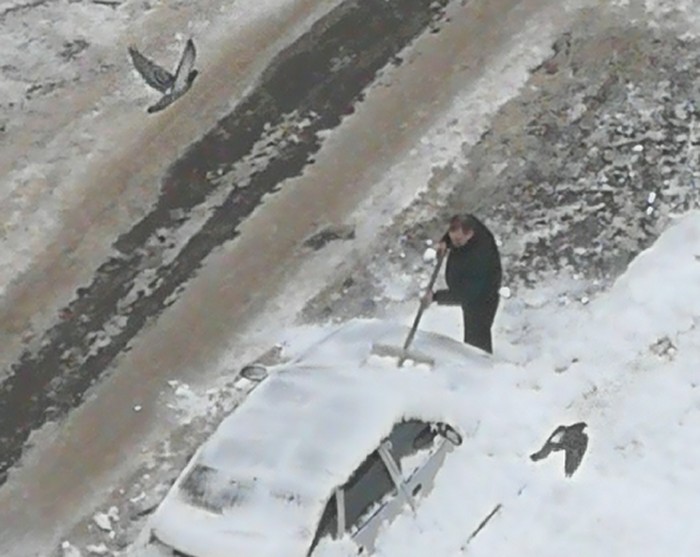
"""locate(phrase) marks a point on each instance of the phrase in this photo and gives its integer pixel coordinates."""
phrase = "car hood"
(233, 533)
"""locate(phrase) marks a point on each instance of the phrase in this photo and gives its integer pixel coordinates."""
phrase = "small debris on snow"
(138, 408)
(664, 347)
(638, 148)
(585, 300)
(138, 498)
(101, 549)
(113, 513)
(505, 292)
(69, 550)
(649, 210)
(651, 198)
(103, 521)
(428, 242)
(429, 255)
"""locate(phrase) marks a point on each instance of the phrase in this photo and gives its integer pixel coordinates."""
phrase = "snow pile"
(636, 485)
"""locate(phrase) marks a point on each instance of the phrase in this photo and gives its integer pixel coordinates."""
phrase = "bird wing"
(551, 444)
(185, 66)
(557, 435)
(158, 78)
(574, 454)
(165, 101)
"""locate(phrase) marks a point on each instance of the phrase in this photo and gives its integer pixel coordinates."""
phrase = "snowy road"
(204, 197)
(133, 325)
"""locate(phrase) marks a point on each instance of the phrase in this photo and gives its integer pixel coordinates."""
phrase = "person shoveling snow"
(473, 274)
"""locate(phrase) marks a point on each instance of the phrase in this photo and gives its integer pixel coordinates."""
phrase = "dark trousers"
(478, 319)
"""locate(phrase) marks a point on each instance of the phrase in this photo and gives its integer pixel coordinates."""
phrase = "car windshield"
(210, 489)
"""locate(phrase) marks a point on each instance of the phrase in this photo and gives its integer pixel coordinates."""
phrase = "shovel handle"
(433, 278)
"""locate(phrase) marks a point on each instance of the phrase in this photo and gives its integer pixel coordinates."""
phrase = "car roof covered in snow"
(273, 463)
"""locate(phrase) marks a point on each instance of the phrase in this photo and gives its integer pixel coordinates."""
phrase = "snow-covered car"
(333, 444)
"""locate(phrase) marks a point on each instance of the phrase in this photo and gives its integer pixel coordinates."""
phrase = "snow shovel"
(403, 353)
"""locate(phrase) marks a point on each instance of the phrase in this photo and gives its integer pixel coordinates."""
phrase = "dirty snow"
(60, 49)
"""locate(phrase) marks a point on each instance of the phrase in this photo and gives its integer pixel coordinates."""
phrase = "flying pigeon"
(171, 86)
(572, 440)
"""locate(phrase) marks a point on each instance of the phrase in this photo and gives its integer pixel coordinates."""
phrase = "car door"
(419, 449)
(361, 505)
(411, 446)
(370, 497)
(412, 454)
(328, 524)
(387, 482)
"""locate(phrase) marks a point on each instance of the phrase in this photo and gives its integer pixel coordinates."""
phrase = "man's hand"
(427, 299)
(441, 248)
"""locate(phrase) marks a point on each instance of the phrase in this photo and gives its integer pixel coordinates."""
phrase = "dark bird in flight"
(171, 86)
(570, 439)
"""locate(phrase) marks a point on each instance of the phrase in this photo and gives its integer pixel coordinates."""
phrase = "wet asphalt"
(270, 136)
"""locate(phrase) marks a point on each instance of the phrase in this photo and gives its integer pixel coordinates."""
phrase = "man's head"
(461, 229)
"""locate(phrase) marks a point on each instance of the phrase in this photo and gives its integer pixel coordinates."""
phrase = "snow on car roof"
(307, 427)
(314, 416)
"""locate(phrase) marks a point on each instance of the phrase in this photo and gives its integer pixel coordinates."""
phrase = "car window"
(412, 443)
(328, 525)
(366, 491)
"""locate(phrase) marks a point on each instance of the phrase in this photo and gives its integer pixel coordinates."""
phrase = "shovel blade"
(398, 352)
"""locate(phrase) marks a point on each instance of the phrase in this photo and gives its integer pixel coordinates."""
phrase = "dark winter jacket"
(473, 271)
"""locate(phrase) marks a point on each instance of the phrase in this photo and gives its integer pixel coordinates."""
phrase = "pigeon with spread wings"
(171, 86)
(570, 439)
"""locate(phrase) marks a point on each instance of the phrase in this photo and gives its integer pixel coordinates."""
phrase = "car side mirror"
(449, 433)
(254, 372)
(424, 438)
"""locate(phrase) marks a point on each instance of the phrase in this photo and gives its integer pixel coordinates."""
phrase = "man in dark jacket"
(473, 275)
